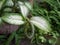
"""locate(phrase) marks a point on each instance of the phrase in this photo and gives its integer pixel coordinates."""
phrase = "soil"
(7, 28)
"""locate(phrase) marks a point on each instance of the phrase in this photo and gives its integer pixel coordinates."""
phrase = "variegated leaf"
(13, 18)
(41, 23)
(9, 3)
(24, 7)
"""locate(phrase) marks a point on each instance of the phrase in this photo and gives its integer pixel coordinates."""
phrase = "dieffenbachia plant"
(39, 27)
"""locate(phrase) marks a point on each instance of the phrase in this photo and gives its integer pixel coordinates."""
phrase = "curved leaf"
(1, 3)
(24, 8)
(7, 10)
(13, 18)
(29, 6)
(9, 3)
(41, 23)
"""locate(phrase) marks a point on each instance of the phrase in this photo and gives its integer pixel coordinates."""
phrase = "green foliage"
(13, 18)
(43, 29)
(0, 20)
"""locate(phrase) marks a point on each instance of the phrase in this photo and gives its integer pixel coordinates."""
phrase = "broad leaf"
(29, 6)
(24, 8)
(41, 23)
(52, 41)
(13, 18)
(9, 3)
(1, 3)
(7, 10)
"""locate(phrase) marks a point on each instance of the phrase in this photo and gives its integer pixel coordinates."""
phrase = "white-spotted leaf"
(41, 23)
(29, 6)
(7, 10)
(13, 18)
(9, 3)
(25, 7)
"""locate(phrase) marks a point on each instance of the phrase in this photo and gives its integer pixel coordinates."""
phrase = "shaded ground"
(7, 28)
(23, 42)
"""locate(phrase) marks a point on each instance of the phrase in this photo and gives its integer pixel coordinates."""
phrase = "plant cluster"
(39, 22)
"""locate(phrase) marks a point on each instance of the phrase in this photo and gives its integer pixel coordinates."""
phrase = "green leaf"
(42, 39)
(24, 8)
(17, 40)
(41, 23)
(10, 38)
(53, 3)
(29, 6)
(0, 21)
(1, 3)
(7, 10)
(52, 41)
(13, 18)
(9, 3)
